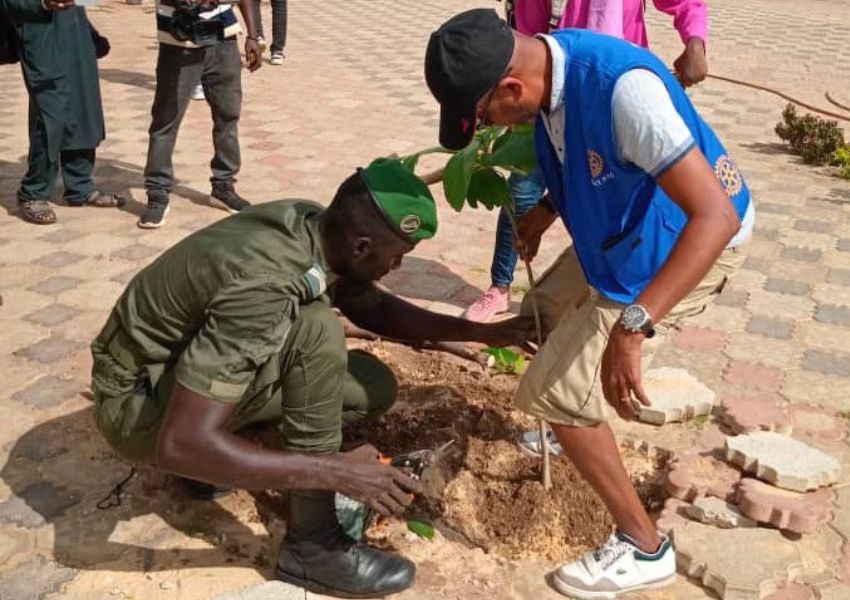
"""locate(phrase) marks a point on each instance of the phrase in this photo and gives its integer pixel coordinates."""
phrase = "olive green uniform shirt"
(219, 304)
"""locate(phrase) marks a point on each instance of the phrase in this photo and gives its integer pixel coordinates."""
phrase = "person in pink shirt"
(619, 18)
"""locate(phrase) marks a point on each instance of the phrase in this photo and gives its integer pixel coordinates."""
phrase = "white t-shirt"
(648, 130)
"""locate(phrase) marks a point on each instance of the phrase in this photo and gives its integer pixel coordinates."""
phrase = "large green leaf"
(422, 529)
(515, 150)
(458, 173)
(488, 187)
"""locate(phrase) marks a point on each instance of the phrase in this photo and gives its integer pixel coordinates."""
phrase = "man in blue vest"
(658, 214)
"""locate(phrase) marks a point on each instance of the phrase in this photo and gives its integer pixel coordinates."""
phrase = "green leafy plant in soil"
(506, 361)
(477, 176)
(816, 140)
(841, 159)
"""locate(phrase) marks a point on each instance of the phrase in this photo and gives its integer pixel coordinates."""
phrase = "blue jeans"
(526, 191)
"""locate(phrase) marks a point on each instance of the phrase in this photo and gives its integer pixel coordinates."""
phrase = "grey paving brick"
(48, 391)
(35, 579)
(773, 207)
(135, 252)
(55, 285)
(839, 276)
(844, 245)
(57, 260)
(814, 226)
(736, 298)
(49, 350)
(753, 263)
(125, 277)
(810, 255)
(62, 236)
(786, 286)
(834, 314)
(53, 315)
(36, 504)
(767, 234)
(774, 328)
(827, 362)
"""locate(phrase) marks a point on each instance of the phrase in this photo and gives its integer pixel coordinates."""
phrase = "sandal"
(100, 200)
(37, 211)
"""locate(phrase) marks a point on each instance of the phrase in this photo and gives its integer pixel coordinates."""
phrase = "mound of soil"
(486, 489)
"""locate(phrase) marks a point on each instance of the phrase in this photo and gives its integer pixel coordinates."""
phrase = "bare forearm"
(248, 17)
(701, 242)
(394, 317)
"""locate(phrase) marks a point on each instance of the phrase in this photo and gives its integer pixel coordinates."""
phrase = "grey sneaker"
(224, 196)
(155, 212)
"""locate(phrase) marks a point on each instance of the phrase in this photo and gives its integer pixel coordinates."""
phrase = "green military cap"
(402, 198)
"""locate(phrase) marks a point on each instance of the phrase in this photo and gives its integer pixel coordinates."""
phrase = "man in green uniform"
(234, 325)
(66, 116)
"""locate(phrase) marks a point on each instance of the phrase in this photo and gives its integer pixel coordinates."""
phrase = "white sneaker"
(277, 58)
(530, 444)
(198, 92)
(618, 567)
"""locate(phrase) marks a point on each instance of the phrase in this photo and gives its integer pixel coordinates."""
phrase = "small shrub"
(816, 140)
(841, 159)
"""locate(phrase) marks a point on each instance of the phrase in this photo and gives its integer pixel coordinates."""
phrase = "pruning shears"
(415, 463)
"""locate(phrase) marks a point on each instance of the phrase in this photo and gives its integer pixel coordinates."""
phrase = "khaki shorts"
(562, 383)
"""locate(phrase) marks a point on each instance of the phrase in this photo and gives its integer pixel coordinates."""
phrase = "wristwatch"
(636, 319)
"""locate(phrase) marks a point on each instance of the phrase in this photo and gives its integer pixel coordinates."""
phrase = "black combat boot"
(318, 556)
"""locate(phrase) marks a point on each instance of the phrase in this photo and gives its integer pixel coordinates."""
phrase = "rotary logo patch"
(595, 162)
(728, 175)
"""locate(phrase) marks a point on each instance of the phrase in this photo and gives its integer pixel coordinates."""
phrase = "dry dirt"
(492, 494)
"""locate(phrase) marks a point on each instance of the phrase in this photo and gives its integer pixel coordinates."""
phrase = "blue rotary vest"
(622, 223)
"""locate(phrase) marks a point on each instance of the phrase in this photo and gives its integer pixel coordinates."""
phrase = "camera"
(188, 26)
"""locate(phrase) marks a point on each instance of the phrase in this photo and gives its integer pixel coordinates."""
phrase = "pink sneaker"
(492, 302)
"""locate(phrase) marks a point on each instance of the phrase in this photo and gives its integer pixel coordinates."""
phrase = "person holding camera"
(197, 42)
(58, 50)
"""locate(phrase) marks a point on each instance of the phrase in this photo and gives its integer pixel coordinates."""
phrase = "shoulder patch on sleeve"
(316, 281)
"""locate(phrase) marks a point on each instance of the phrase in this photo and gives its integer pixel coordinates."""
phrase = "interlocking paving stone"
(736, 298)
(269, 590)
(53, 315)
(49, 350)
(839, 276)
(786, 286)
(676, 396)
(751, 375)
(841, 522)
(814, 422)
(48, 391)
(775, 328)
(827, 362)
(36, 504)
(55, 285)
(743, 414)
(672, 515)
(57, 260)
(791, 511)
(694, 475)
(782, 460)
(814, 226)
(809, 255)
(62, 236)
(35, 579)
(717, 512)
(135, 252)
(843, 245)
(793, 591)
(835, 315)
(736, 563)
(773, 207)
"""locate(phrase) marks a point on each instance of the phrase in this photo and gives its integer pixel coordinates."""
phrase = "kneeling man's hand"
(382, 487)
(620, 373)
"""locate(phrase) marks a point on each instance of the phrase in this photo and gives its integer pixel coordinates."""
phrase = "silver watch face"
(634, 317)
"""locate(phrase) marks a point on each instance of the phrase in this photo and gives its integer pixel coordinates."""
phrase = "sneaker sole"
(318, 588)
(569, 590)
(216, 203)
(147, 225)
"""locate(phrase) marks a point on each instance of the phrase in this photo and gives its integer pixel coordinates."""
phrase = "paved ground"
(351, 90)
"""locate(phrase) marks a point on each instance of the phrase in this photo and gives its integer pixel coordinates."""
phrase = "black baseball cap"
(466, 57)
